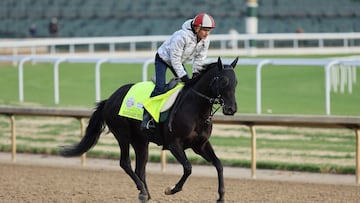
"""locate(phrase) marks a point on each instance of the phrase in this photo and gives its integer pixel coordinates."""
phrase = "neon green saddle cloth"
(138, 98)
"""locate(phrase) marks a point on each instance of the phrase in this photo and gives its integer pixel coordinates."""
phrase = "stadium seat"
(68, 12)
(143, 17)
(86, 12)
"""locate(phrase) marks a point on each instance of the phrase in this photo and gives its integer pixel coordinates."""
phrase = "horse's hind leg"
(142, 153)
(180, 155)
(125, 163)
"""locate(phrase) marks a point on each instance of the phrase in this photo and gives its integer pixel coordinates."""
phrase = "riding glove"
(195, 75)
(185, 79)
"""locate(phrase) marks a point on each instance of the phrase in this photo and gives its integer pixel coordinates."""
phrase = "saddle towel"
(138, 98)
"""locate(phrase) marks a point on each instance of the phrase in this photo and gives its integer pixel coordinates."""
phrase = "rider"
(189, 43)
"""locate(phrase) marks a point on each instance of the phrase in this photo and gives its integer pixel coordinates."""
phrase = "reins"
(214, 100)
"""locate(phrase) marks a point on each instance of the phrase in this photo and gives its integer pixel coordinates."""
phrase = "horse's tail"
(94, 129)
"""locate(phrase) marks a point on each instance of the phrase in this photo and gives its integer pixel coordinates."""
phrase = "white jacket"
(182, 47)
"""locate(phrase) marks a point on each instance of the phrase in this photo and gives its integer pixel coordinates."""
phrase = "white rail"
(229, 44)
(327, 64)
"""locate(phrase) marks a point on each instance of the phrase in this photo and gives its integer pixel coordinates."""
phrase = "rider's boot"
(148, 123)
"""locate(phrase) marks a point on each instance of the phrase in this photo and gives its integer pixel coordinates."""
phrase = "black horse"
(188, 126)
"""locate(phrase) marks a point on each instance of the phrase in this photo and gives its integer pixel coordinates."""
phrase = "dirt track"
(32, 182)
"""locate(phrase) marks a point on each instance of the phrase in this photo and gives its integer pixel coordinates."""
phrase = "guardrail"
(350, 122)
(229, 44)
(327, 64)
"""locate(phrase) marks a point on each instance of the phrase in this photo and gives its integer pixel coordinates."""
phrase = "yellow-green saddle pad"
(138, 98)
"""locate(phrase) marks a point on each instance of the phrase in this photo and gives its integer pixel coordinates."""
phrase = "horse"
(189, 125)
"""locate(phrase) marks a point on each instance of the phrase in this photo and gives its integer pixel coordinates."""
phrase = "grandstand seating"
(84, 18)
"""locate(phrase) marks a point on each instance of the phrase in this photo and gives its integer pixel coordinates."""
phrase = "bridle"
(218, 98)
(212, 100)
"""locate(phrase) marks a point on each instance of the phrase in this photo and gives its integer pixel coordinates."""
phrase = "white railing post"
(132, 46)
(258, 84)
(112, 48)
(321, 43)
(295, 43)
(98, 79)
(145, 69)
(328, 85)
(52, 49)
(71, 48)
(15, 54)
(56, 80)
(91, 48)
(33, 51)
(153, 45)
(21, 78)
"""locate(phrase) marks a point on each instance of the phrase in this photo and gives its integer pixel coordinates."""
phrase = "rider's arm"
(200, 57)
(177, 47)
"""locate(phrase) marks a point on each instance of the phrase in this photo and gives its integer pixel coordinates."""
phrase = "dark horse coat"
(190, 126)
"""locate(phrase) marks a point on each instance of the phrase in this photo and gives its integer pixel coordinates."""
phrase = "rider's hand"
(195, 75)
(185, 79)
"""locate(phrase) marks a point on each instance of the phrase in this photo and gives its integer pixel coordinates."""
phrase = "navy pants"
(160, 74)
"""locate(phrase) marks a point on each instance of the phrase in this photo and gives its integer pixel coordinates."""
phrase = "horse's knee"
(220, 168)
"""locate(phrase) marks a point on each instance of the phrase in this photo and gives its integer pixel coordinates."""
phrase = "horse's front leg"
(207, 152)
(180, 155)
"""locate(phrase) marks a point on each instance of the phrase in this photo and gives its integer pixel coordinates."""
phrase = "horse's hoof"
(143, 198)
(168, 191)
(220, 201)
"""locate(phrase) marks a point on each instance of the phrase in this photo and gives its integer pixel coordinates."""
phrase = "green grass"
(77, 83)
(285, 90)
(292, 144)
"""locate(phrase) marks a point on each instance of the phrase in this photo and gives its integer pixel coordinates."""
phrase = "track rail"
(250, 120)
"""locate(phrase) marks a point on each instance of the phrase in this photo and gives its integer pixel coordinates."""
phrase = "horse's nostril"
(229, 110)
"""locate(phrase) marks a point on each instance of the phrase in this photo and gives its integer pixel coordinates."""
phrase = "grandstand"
(88, 18)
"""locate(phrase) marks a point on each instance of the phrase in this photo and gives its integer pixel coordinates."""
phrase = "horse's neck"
(202, 87)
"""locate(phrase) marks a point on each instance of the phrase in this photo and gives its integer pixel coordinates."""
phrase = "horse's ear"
(220, 65)
(233, 64)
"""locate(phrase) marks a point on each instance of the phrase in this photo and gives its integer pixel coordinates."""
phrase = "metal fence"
(244, 119)
(327, 64)
(228, 44)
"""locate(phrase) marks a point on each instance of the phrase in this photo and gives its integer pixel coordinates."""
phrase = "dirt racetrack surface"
(33, 181)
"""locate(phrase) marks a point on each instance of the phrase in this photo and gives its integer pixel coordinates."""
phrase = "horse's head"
(223, 86)
(216, 83)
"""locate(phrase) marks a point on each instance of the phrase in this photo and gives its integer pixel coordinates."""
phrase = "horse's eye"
(224, 81)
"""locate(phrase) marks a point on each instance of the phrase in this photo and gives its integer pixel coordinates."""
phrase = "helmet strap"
(197, 29)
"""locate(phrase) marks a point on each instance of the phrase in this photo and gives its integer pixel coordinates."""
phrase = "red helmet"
(204, 20)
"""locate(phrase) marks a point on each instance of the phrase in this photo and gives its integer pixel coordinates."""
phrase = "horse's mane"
(206, 68)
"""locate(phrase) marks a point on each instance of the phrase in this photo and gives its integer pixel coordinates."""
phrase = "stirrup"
(150, 124)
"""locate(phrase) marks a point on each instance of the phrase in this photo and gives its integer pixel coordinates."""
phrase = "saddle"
(170, 85)
(138, 98)
(159, 105)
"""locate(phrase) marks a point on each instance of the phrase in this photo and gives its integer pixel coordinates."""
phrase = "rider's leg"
(148, 122)
(160, 72)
